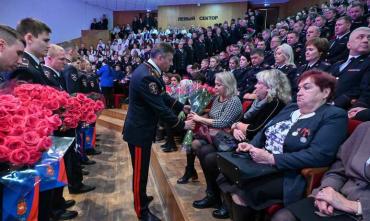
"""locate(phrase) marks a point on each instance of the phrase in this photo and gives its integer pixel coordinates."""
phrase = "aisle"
(112, 200)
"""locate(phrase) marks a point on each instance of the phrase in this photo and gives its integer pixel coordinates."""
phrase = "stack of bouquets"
(199, 99)
(30, 114)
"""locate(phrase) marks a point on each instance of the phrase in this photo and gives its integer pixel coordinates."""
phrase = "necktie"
(333, 43)
(345, 64)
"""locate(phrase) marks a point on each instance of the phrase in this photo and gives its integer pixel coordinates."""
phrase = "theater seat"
(312, 175)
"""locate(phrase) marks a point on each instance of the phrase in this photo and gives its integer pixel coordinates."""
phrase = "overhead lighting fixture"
(266, 4)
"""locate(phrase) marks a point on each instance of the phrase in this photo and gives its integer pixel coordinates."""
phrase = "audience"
(300, 136)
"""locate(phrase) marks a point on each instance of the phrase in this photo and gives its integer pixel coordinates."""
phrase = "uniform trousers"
(140, 159)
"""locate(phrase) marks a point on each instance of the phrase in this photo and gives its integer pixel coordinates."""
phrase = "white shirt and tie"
(349, 60)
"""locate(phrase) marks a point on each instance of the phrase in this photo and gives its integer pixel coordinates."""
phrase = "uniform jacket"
(149, 103)
(291, 73)
(318, 148)
(31, 72)
(56, 78)
(180, 60)
(71, 77)
(321, 65)
(350, 174)
(353, 83)
(338, 49)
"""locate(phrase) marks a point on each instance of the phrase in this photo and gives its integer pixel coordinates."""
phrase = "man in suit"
(353, 74)
(298, 48)
(356, 12)
(180, 61)
(338, 47)
(269, 57)
(149, 103)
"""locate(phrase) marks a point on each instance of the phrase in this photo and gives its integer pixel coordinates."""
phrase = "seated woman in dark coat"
(344, 194)
(273, 93)
(300, 136)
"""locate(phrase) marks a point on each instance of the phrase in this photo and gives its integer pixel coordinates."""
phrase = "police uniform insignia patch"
(25, 62)
(47, 74)
(74, 77)
(153, 88)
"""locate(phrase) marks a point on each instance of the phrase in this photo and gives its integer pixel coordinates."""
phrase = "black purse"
(224, 142)
(240, 168)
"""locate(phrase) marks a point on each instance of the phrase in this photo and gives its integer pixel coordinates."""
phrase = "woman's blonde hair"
(229, 82)
(287, 51)
(277, 83)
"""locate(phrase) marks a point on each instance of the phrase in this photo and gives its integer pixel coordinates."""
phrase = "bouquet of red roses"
(25, 128)
(71, 109)
(198, 100)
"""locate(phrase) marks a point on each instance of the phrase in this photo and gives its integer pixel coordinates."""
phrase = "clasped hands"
(328, 199)
(258, 155)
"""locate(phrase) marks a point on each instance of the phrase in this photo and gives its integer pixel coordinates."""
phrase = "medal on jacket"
(304, 133)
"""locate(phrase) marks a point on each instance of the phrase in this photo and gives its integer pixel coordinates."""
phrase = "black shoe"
(221, 213)
(83, 189)
(210, 201)
(88, 162)
(69, 203)
(169, 148)
(92, 152)
(148, 216)
(65, 214)
(189, 173)
(85, 172)
(150, 199)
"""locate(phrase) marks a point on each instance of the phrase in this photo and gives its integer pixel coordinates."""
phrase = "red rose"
(17, 131)
(17, 121)
(81, 97)
(99, 105)
(34, 157)
(14, 142)
(22, 112)
(44, 144)
(31, 138)
(55, 121)
(32, 121)
(19, 157)
(91, 118)
(4, 153)
(2, 139)
(5, 126)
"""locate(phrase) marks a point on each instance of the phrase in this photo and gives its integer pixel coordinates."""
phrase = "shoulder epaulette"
(152, 70)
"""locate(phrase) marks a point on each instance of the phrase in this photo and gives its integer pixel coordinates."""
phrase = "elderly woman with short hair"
(304, 134)
(272, 94)
(226, 109)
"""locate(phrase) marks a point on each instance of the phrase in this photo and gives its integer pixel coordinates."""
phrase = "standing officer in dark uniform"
(37, 36)
(149, 103)
(54, 63)
(11, 50)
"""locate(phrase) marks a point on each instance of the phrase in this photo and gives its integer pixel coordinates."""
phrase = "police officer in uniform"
(338, 47)
(11, 50)
(149, 103)
(54, 63)
(353, 73)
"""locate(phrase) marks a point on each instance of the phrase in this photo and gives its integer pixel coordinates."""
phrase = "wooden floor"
(113, 199)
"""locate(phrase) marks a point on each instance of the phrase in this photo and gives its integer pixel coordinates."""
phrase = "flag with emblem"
(51, 167)
(20, 195)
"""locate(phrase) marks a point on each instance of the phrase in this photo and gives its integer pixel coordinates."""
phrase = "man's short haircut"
(359, 5)
(294, 32)
(54, 50)
(161, 49)
(346, 19)
(33, 26)
(10, 35)
(258, 52)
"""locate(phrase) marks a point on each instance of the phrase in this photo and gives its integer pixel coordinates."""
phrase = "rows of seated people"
(303, 89)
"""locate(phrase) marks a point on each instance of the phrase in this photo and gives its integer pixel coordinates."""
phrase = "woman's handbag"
(224, 142)
(240, 168)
